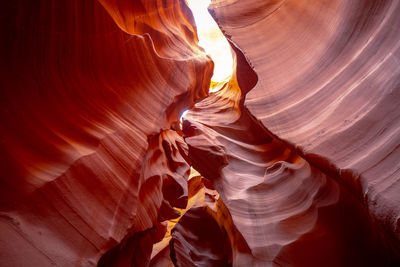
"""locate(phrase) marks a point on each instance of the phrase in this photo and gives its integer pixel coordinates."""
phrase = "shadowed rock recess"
(294, 162)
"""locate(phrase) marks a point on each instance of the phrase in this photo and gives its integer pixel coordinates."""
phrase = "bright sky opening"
(213, 42)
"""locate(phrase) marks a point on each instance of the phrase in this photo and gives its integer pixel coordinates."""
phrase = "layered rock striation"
(283, 206)
(297, 154)
(329, 84)
(87, 102)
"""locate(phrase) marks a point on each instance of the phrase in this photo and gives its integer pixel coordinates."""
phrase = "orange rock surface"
(87, 157)
(297, 155)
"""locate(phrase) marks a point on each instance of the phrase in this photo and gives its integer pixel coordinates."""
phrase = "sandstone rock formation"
(87, 157)
(297, 156)
(329, 85)
(281, 204)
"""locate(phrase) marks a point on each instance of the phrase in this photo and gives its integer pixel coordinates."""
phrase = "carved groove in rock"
(297, 154)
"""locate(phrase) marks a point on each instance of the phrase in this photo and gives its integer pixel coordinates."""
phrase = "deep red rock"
(81, 95)
(298, 155)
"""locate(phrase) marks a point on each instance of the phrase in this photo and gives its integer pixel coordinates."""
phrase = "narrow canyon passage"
(137, 133)
(281, 206)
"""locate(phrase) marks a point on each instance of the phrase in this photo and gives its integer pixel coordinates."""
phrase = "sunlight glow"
(213, 42)
(183, 114)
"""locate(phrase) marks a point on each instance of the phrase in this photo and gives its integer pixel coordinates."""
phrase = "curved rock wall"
(282, 205)
(298, 154)
(87, 158)
(328, 83)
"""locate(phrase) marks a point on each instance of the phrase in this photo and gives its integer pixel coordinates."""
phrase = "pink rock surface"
(283, 206)
(298, 155)
(328, 83)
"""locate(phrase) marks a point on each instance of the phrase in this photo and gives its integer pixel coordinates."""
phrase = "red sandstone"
(298, 155)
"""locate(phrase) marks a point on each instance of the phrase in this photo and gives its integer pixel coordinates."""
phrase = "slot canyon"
(200, 133)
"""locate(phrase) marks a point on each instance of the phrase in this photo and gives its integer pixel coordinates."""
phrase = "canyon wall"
(286, 210)
(297, 155)
(87, 102)
(328, 84)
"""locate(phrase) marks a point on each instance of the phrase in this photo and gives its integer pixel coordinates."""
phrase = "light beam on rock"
(213, 42)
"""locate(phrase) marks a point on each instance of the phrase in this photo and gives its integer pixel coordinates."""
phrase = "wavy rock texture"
(86, 157)
(197, 239)
(206, 235)
(329, 84)
(298, 154)
(281, 205)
